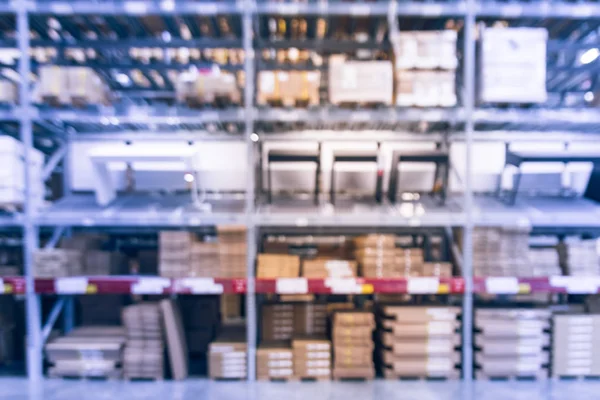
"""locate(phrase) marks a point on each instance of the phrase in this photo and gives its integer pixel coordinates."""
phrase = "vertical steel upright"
(30, 231)
(251, 324)
(468, 104)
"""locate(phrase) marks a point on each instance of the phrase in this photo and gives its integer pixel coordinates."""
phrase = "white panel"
(222, 166)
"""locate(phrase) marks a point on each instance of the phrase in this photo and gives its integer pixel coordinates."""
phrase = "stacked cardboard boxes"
(283, 321)
(274, 361)
(352, 336)
(324, 268)
(312, 357)
(228, 354)
(71, 85)
(512, 343)
(418, 342)
(93, 351)
(288, 88)
(277, 266)
(205, 259)
(581, 257)
(575, 350)
(175, 253)
(232, 251)
(379, 258)
(53, 263)
(144, 351)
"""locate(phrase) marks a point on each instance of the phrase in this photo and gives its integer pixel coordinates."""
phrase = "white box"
(8, 92)
(513, 65)
(53, 84)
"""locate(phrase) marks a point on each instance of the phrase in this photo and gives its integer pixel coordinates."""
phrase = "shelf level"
(360, 286)
(553, 284)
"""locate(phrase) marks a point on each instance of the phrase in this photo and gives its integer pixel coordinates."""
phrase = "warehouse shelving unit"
(141, 117)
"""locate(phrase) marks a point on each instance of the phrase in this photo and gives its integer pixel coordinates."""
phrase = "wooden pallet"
(233, 379)
(288, 102)
(539, 376)
(221, 101)
(364, 105)
(83, 377)
(312, 378)
(278, 379)
(390, 374)
(133, 378)
(577, 378)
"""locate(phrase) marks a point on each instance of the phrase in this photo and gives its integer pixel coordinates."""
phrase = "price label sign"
(504, 285)
(2, 290)
(202, 286)
(343, 286)
(291, 286)
(423, 285)
(151, 285)
(576, 284)
(71, 285)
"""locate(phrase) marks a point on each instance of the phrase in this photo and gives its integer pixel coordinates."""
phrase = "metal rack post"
(251, 324)
(468, 103)
(30, 231)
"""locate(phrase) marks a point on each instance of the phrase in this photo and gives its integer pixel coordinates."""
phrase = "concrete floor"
(199, 389)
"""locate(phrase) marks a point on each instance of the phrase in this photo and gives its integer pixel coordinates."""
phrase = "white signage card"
(71, 285)
(291, 286)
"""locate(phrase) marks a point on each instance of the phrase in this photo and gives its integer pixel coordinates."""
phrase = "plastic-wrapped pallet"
(360, 82)
(92, 351)
(199, 88)
(12, 175)
(425, 49)
(8, 92)
(228, 354)
(288, 88)
(352, 336)
(575, 351)
(418, 341)
(512, 343)
(86, 87)
(513, 65)
(144, 350)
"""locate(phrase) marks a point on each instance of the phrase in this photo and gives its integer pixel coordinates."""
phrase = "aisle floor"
(200, 389)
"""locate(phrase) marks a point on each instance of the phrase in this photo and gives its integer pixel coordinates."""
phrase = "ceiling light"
(189, 178)
(254, 137)
(588, 96)
(589, 56)
(166, 36)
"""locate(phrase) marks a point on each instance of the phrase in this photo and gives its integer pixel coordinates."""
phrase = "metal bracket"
(56, 235)
(58, 306)
(54, 160)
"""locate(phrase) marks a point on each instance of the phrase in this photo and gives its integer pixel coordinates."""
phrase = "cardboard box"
(290, 88)
(325, 268)
(277, 266)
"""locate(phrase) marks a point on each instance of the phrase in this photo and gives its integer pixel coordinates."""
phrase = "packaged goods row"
(497, 252)
(420, 72)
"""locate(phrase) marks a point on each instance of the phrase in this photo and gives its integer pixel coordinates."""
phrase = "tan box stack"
(501, 252)
(277, 321)
(274, 361)
(418, 342)
(512, 343)
(175, 250)
(277, 266)
(312, 358)
(78, 86)
(228, 354)
(288, 88)
(360, 82)
(379, 258)
(310, 319)
(324, 268)
(232, 250)
(144, 351)
(352, 336)
(196, 89)
(576, 345)
(205, 260)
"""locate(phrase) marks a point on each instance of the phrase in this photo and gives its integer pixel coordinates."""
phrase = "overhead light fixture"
(588, 96)
(189, 178)
(254, 137)
(589, 56)
(166, 36)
